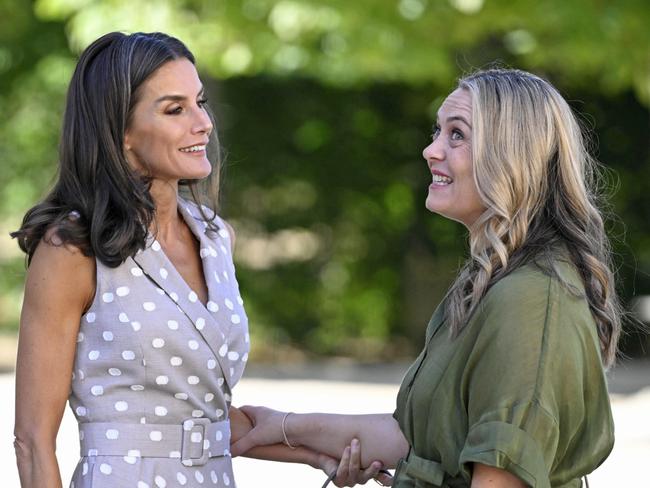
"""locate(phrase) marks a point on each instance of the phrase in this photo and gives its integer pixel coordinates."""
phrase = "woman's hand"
(350, 473)
(267, 429)
(240, 424)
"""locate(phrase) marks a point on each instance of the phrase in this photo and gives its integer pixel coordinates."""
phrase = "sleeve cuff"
(507, 447)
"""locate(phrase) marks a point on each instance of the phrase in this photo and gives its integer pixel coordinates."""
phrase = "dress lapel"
(210, 322)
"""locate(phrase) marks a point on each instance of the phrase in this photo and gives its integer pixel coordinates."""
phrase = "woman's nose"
(203, 122)
(433, 152)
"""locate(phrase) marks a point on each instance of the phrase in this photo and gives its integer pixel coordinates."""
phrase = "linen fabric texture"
(154, 369)
(521, 388)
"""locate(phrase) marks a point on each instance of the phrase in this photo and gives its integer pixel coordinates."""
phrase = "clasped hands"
(252, 427)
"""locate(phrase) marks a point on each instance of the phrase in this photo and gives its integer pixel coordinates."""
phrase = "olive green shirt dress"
(522, 388)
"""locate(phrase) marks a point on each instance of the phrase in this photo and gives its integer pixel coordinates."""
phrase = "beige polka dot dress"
(155, 368)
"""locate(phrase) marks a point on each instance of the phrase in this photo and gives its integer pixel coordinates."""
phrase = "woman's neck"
(167, 221)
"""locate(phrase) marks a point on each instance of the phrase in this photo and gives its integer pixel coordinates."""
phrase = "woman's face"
(169, 129)
(453, 193)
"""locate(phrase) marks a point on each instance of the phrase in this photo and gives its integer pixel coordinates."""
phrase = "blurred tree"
(35, 64)
(589, 42)
(324, 107)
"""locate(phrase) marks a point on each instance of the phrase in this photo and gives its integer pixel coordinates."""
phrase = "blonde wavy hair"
(539, 185)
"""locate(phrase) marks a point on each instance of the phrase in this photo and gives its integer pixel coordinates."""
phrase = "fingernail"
(355, 442)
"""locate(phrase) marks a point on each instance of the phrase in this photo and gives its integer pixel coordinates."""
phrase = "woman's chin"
(434, 205)
(198, 173)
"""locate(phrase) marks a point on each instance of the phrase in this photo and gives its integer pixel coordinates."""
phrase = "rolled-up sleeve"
(520, 440)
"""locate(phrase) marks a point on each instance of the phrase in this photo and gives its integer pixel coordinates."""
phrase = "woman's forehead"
(176, 77)
(457, 103)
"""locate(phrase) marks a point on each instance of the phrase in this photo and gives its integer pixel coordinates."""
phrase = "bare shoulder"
(52, 251)
(62, 272)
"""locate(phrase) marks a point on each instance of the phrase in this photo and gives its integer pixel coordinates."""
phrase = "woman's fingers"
(240, 424)
(350, 472)
(267, 429)
(370, 472)
(343, 469)
(384, 479)
(357, 474)
(355, 459)
(242, 445)
(251, 412)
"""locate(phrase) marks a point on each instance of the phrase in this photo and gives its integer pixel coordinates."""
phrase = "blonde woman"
(509, 390)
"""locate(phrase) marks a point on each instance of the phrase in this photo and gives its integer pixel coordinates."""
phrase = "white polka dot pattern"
(149, 352)
(122, 291)
(121, 406)
(112, 434)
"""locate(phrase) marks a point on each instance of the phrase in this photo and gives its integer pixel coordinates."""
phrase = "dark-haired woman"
(132, 309)
(509, 390)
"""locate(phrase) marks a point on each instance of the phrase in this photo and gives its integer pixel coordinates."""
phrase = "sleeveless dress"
(154, 369)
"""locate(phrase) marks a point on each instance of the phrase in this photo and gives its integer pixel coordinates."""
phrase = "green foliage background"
(323, 108)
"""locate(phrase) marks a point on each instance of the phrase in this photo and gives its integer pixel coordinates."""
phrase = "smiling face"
(169, 129)
(453, 193)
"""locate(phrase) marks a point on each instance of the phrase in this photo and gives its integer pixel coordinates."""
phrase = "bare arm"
(349, 470)
(240, 425)
(490, 477)
(60, 285)
(329, 434)
(379, 435)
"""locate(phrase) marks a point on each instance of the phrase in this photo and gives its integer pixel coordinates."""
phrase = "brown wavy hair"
(111, 205)
(540, 188)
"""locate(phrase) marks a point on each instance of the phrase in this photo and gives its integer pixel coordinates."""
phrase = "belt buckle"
(192, 436)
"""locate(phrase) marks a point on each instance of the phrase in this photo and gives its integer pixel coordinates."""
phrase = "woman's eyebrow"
(177, 98)
(460, 118)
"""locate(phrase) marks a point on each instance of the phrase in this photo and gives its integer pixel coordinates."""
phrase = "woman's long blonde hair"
(538, 182)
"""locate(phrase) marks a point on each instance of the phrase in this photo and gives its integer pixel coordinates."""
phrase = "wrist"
(313, 459)
(285, 431)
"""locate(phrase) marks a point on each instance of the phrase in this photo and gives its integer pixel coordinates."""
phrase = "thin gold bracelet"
(284, 432)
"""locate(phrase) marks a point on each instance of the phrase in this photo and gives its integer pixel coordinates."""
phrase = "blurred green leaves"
(324, 108)
(417, 41)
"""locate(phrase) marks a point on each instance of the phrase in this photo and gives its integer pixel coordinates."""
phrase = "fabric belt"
(193, 441)
(427, 473)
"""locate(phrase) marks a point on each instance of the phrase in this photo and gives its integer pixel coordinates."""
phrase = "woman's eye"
(202, 102)
(436, 132)
(175, 111)
(457, 135)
